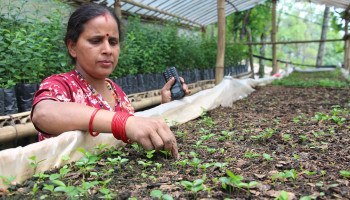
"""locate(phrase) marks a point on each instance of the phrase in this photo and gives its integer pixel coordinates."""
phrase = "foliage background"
(32, 47)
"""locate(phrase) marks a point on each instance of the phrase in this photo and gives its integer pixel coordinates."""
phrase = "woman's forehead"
(104, 22)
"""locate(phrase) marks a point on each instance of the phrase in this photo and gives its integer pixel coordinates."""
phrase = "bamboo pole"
(273, 38)
(220, 57)
(117, 9)
(249, 31)
(291, 42)
(347, 41)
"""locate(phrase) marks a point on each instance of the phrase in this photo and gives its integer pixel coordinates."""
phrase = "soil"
(286, 112)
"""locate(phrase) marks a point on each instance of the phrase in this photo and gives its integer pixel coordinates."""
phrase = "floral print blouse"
(71, 87)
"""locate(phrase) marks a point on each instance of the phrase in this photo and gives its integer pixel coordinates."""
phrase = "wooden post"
(249, 32)
(204, 31)
(117, 9)
(347, 42)
(220, 57)
(273, 38)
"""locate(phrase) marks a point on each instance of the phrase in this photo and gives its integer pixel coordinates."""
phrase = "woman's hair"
(79, 17)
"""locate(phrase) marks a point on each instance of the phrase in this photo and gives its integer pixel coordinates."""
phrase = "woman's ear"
(71, 48)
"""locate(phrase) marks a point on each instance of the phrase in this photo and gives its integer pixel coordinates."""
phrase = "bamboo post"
(220, 57)
(251, 52)
(117, 9)
(347, 42)
(204, 31)
(273, 38)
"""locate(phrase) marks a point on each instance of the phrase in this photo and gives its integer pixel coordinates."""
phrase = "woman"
(85, 99)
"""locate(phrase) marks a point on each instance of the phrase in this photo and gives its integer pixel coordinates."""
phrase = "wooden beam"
(220, 57)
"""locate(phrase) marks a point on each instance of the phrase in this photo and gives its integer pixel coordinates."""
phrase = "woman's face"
(97, 50)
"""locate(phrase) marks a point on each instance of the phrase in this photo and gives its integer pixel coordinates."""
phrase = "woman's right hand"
(152, 134)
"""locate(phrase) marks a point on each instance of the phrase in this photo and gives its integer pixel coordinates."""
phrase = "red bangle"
(118, 126)
(91, 120)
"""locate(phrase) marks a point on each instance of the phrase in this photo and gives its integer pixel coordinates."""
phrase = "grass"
(314, 79)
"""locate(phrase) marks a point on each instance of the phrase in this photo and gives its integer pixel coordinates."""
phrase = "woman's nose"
(106, 47)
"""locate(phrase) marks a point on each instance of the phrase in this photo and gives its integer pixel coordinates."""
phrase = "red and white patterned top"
(71, 87)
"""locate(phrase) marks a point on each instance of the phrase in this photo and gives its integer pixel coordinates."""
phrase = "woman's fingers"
(151, 134)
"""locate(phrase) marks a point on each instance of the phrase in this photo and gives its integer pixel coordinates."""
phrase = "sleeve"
(55, 88)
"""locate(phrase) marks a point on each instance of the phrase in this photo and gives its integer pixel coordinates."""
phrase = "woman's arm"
(57, 117)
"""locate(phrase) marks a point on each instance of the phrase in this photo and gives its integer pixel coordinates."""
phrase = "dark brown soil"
(281, 111)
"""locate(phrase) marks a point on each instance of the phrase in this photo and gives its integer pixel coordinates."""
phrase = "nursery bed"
(308, 135)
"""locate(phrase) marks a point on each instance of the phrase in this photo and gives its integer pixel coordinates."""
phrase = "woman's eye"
(95, 41)
(113, 42)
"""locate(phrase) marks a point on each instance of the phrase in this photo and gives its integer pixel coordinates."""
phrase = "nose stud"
(107, 34)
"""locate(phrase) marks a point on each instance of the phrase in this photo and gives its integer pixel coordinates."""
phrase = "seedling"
(159, 194)
(41, 176)
(304, 138)
(183, 163)
(256, 137)
(232, 180)
(63, 171)
(211, 150)
(88, 162)
(158, 166)
(268, 158)
(118, 160)
(250, 155)
(296, 157)
(207, 137)
(283, 196)
(35, 164)
(100, 148)
(35, 188)
(137, 147)
(8, 181)
(221, 166)
(308, 175)
(198, 145)
(50, 188)
(149, 154)
(291, 173)
(145, 164)
(228, 135)
(345, 173)
(222, 151)
(107, 194)
(323, 173)
(183, 134)
(194, 186)
(205, 166)
(195, 162)
(166, 153)
(248, 185)
(194, 154)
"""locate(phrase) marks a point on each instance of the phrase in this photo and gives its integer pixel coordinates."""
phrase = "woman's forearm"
(57, 117)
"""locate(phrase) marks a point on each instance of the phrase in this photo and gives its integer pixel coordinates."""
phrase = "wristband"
(91, 120)
(118, 126)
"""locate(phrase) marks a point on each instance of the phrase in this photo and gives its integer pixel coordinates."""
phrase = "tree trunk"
(322, 46)
(262, 52)
(245, 22)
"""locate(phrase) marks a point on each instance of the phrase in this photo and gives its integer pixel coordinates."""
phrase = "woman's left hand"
(166, 94)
